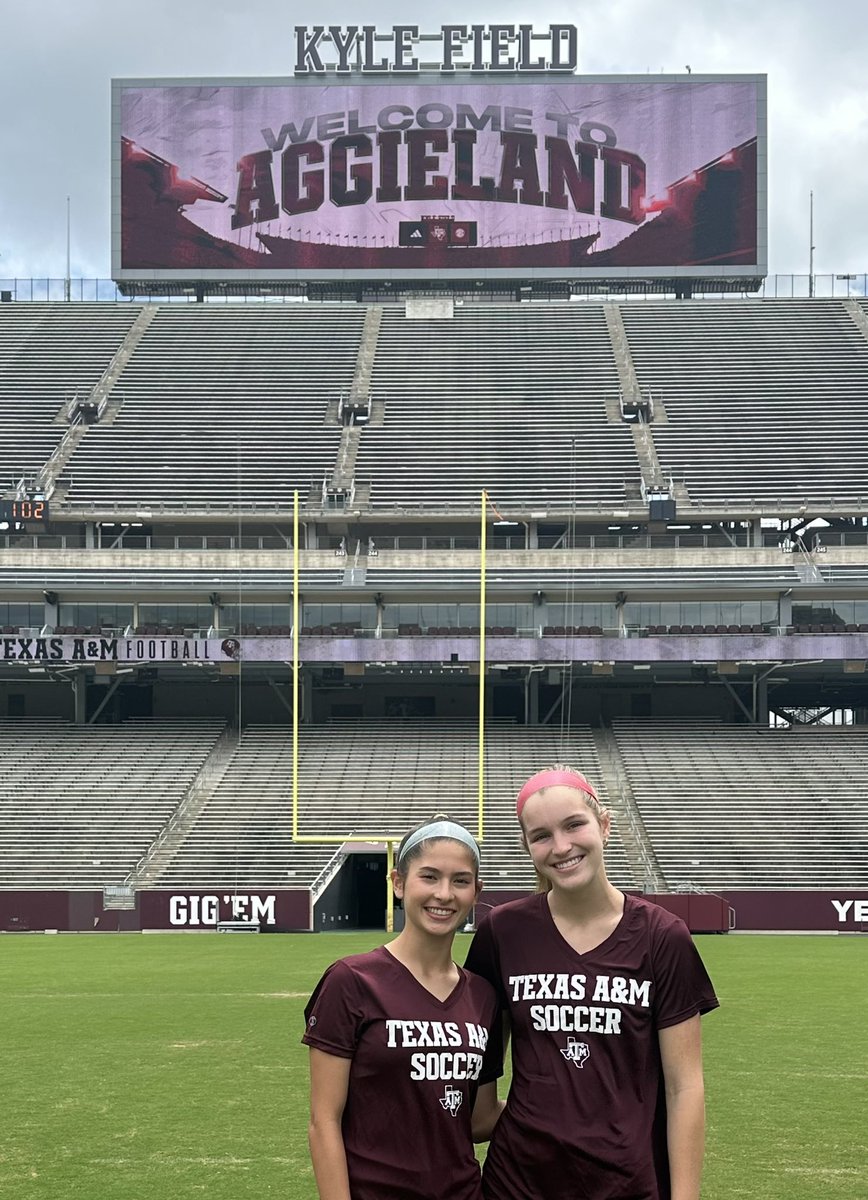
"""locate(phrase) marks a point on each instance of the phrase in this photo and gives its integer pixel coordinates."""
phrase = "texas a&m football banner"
(305, 179)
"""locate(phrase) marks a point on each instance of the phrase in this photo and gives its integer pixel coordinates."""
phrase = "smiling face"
(565, 837)
(439, 886)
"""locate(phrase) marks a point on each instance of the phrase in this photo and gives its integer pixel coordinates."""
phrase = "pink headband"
(545, 779)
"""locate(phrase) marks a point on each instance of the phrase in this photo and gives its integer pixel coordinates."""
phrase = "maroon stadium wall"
(82, 912)
(702, 913)
(289, 911)
(843, 911)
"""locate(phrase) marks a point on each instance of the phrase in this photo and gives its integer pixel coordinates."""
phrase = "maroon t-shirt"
(414, 1076)
(585, 1117)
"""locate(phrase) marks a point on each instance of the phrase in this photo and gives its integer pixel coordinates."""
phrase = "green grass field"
(169, 1066)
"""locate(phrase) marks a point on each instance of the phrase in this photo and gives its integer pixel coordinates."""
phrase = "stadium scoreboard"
(494, 161)
(23, 509)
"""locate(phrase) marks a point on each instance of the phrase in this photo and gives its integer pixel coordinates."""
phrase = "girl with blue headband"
(397, 1040)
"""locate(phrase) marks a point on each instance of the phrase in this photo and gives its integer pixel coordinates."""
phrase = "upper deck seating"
(766, 401)
(49, 355)
(510, 398)
(223, 406)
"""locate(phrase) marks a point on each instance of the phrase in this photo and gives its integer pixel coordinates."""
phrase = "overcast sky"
(58, 56)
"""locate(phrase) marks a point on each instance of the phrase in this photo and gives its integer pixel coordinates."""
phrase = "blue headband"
(440, 829)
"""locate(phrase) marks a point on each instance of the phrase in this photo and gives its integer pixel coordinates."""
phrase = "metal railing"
(839, 285)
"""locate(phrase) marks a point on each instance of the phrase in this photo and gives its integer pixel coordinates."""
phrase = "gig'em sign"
(529, 177)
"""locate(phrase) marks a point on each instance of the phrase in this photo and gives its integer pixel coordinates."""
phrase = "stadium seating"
(364, 778)
(765, 401)
(49, 355)
(734, 806)
(521, 400)
(724, 806)
(503, 397)
(80, 805)
(231, 407)
(264, 377)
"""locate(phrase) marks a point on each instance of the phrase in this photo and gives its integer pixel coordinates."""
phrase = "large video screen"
(399, 178)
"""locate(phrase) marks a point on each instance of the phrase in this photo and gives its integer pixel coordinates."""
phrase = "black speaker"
(661, 510)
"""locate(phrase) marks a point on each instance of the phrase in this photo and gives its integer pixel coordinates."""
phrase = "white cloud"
(57, 58)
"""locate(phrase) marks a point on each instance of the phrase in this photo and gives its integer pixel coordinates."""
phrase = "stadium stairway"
(165, 845)
(51, 355)
(857, 312)
(343, 476)
(631, 393)
(637, 845)
(102, 400)
(766, 400)
(80, 805)
(367, 780)
(742, 806)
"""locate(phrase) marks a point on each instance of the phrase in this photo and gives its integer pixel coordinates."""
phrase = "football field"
(168, 1067)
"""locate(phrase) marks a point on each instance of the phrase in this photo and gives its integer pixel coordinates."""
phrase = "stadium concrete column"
(755, 533)
(79, 697)
(761, 701)
(531, 703)
(89, 536)
(50, 612)
(785, 608)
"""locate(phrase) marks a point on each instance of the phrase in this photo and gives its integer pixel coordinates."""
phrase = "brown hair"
(416, 850)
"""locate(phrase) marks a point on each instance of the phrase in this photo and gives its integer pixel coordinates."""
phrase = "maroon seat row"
(693, 629)
(572, 630)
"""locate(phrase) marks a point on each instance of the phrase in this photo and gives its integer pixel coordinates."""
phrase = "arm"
(486, 1111)
(329, 1081)
(681, 1055)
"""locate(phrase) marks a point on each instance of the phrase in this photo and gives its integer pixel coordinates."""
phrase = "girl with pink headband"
(397, 1038)
(602, 992)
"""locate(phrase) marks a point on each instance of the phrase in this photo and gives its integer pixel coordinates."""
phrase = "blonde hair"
(545, 885)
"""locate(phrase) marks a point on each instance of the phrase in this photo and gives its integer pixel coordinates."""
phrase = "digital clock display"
(24, 508)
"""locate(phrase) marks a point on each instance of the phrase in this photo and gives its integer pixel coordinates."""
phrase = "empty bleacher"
(363, 779)
(766, 401)
(80, 805)
(225, 406)
(724, 807)
(510, 398)
(49, 355)
(734, 806)
(222, 406)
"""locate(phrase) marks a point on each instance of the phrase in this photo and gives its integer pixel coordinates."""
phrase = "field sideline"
(169, 1067)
